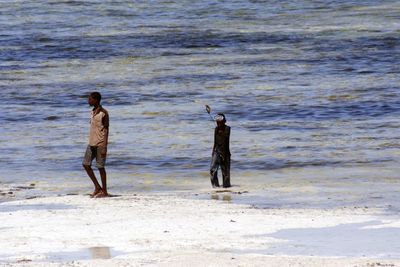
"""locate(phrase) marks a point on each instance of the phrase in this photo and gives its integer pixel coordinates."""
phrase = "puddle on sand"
(227, 198)
(91, 253)
(100, 253)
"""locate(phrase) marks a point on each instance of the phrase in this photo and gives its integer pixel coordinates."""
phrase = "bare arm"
(106, 124)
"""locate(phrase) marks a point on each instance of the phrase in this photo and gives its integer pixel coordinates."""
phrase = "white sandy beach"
(168, 230)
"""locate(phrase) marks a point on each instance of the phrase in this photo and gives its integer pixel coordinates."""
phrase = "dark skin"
(99, 191)
(221, 125)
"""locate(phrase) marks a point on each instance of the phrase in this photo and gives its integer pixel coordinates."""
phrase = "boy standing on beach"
(221, 155)
(97, 147)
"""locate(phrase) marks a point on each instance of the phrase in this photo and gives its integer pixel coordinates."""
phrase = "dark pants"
(225, 163)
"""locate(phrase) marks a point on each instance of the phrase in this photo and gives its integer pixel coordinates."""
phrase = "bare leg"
(103, 175)
(97, 187)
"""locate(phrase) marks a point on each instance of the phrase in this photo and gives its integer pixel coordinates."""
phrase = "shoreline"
(167, 229)
(192, 258)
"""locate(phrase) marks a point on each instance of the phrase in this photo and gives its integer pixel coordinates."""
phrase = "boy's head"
(220, 119)
(94, 98)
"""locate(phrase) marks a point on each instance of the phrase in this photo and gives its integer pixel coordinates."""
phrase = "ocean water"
(310, 89)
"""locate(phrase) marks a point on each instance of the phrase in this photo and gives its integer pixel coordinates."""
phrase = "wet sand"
(168, 230)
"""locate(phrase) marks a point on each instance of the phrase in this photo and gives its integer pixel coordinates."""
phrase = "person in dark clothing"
(221, 155)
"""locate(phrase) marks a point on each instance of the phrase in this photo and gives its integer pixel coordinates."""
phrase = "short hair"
(223, 115)
(96, 95)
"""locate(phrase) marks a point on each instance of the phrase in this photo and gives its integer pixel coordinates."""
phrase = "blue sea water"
(310, 89)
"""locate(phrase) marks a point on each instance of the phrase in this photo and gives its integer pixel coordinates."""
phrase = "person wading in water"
(221, 155)
(97, 147)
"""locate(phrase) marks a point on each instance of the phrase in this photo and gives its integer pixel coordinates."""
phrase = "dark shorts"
(95, 152)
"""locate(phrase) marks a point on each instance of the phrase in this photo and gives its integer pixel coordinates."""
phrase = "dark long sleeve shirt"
(221, 141)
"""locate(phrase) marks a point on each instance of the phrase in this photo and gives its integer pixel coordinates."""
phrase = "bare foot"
(101, 194)
(95, 192)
